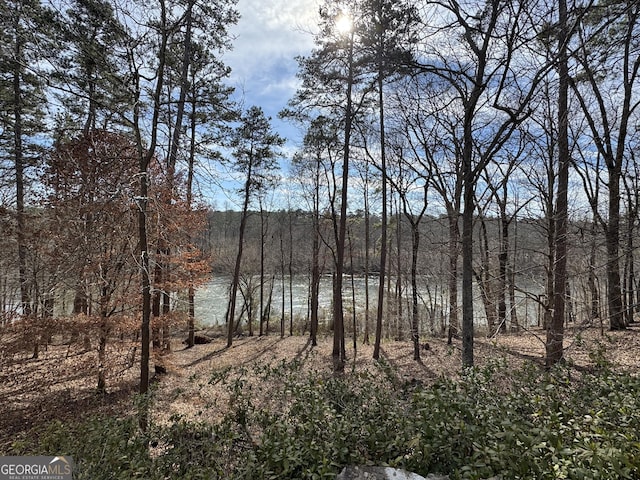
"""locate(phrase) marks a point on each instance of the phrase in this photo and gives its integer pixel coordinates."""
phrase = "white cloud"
(269, 35)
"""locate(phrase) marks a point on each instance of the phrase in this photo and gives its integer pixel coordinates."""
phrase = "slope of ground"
(60, 384)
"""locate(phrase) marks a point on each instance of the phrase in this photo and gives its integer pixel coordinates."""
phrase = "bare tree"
(492, 36)
(412, 187)
(255, 148)
(609, 108)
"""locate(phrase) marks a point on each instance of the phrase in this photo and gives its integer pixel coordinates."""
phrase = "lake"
(211, 299)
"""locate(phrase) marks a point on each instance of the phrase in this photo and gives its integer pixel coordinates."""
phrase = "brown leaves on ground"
(61, 383)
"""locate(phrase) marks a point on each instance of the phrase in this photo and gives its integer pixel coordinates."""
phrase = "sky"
(268, 37)
(266, 40)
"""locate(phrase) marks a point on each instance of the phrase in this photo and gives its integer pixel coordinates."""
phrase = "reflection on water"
(211, 299)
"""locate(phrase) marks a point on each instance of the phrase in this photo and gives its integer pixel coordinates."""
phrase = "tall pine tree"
(23, 49)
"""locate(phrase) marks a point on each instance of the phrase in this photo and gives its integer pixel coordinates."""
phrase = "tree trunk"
(290, 273)
(612, 233)
(263, 236)
(467, 251)
(353, 299)
(338, 352)
(555, 331)
(384, 219)
(192, 159)
(248, 300)
(511, 275)
(591, 279)
(102, 341)
(415, 319)
(367, 246)
(18, 153)
(454, 235)
(164, 341)
(630, 273)
(267, 311)
(315, 278)
(282, 266)
(503, 265)
(145, 156)
(399, 306)
(231, 312)
(102, 349)
(156, 301)
(485, 281)
(146, 286)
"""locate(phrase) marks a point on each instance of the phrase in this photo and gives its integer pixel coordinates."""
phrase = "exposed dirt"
(61, 383)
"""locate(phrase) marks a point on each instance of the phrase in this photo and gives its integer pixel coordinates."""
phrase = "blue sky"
(269, 35)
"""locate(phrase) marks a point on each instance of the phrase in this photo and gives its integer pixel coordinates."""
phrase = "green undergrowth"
(493, 423)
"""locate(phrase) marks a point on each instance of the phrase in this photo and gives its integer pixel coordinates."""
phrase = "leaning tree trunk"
(231, 311)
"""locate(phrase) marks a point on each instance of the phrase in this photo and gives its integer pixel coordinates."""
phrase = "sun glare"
(344, 24)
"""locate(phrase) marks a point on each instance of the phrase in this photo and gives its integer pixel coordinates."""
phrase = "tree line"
(482, 106)
(479, 118)
(107, 109)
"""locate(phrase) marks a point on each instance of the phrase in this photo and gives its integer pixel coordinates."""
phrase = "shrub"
(528, 424)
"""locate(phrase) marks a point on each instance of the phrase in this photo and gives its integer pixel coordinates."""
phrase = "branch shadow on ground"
(488, 346)
(25, 420)
(270, 346)
(429, 373)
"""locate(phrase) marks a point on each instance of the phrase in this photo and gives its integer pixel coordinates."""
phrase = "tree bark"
(19, 163)
(612, 238)
(263, 236)
(367, 246)
(192, 159)
(594, 303)
(338, 352)
(503, 265)
(415, 316)
(383, 167)
(454, 234)
(467, 246)
(145, 156)
(555, 331)
(383, 247)
(231, 312)
(315, 267)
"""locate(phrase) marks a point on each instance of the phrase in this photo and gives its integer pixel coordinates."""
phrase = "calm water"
(212, 299)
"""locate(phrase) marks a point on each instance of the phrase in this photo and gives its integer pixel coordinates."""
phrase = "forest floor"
(60, 385)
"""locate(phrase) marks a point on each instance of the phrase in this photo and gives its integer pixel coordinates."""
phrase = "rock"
(382, 473)
(199, 340)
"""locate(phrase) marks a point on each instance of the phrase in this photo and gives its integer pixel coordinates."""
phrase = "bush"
(528, 424)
